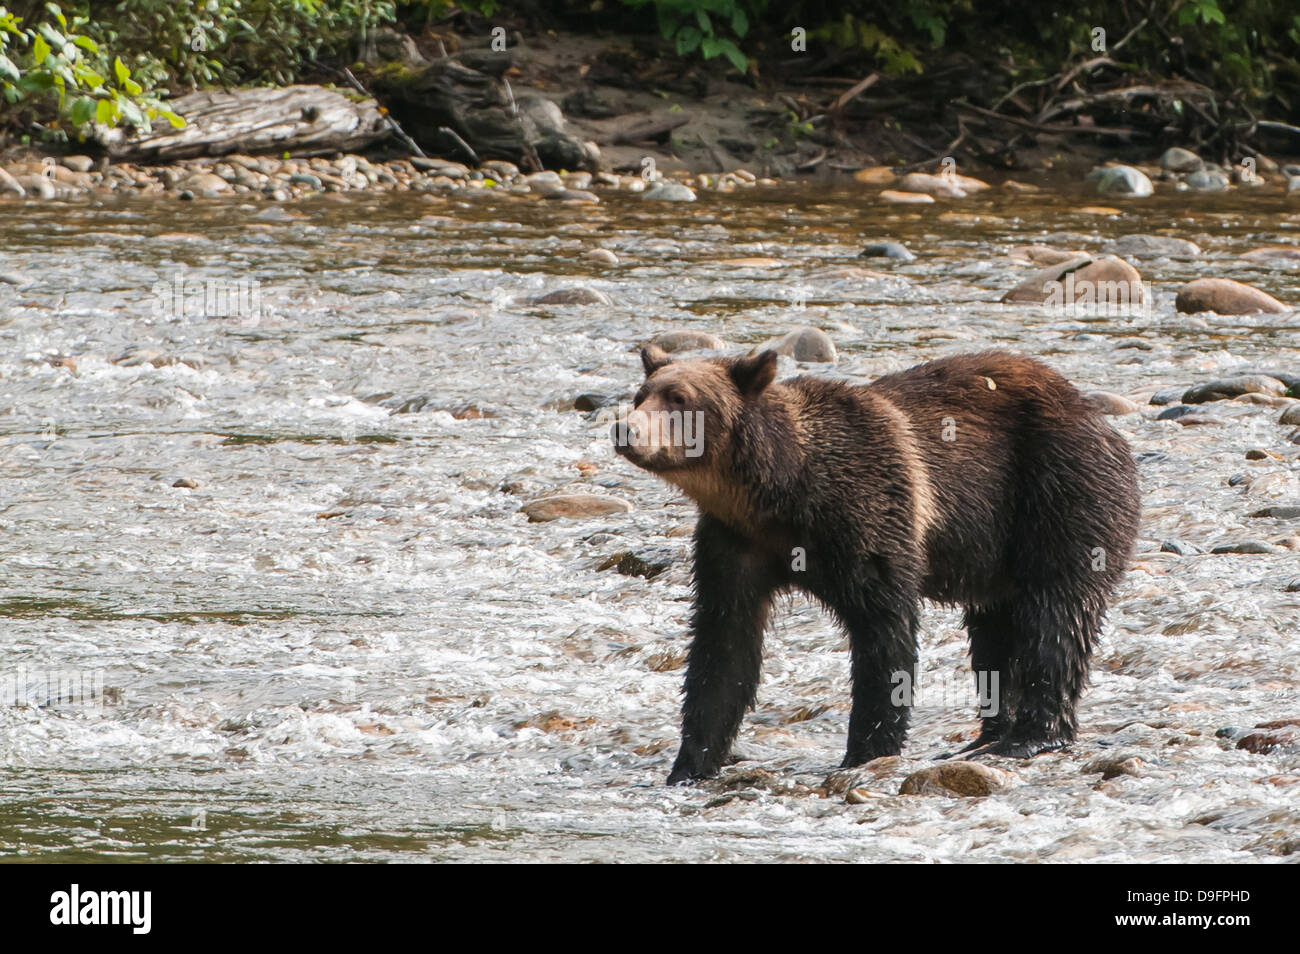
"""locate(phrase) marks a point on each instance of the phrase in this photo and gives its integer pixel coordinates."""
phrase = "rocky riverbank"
(282, 179)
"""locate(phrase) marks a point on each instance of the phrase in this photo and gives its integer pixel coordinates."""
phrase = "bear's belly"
(960, 569)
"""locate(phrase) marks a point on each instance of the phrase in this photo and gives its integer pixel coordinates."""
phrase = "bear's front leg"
(882, 637)
(733, 590)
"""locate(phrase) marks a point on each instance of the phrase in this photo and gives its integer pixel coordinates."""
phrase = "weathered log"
(303, 120)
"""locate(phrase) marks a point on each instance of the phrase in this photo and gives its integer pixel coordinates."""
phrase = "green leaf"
(8, 71)
(120, 70)
(178, 122)
(37, 81)
(702, 19)
(732, 53)
(106, 112)
(87, 44)
(688, 40)
(739, 22)
(40, 50)
(667, 22)
(83, 110)
(132, 87)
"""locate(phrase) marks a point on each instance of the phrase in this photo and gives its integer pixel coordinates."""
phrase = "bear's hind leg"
(990, 650)
(1053, 632)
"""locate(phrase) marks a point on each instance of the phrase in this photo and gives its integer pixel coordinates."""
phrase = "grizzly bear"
(982, 480)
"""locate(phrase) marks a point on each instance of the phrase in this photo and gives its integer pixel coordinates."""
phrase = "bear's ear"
(754, 372)
(653, 358)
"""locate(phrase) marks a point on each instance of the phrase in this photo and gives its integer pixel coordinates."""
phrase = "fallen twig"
(850, 94)
(393, 124)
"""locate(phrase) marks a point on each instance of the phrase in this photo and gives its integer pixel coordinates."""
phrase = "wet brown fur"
(1005, 518)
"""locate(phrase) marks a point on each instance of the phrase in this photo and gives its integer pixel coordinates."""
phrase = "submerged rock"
(805, 345)
(906, 198)
(1120, 181)
(669, 192)
(1274, 254)
(1105, 283)
(1108, 403)
(894, 250)
(601, 256)
(972, 779)
(571, 506)
(1281, 513)
(1225, 297)
(1152, 246)
(572, 296)
(1227, 388)
(1177, 159)
(1247, 546)
(1207, 180)
(647, 562)
(1168, 395)
(1044, 255)
(687, 340)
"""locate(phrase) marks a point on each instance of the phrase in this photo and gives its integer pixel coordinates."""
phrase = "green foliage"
(703, 25)
(194, 42)
(851, 32)
(54, 65)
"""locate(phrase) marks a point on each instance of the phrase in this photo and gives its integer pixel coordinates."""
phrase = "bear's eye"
(675, 398)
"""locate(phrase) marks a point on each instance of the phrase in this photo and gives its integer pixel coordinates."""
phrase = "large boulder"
(1106, 282)
(1225, 297)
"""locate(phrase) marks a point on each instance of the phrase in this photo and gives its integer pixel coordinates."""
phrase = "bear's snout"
(628, 432)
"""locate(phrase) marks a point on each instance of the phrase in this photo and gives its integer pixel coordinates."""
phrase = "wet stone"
(572, 296)
(971, 779)
(1168, 395)
(1151, 246)
(669, 192)
(1227, 388)
(1120, 181)
(1177, 159)
(574, 506)
(687, 340)
(894, 250)
(1247, 547)
(592, 401)
(648, 562)
(1110, 404)
(1109, 767)
(1280, 513)
(810, 345)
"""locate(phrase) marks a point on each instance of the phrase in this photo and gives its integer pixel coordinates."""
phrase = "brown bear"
(983, 480)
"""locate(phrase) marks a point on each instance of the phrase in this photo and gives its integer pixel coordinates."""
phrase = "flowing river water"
(343, 641)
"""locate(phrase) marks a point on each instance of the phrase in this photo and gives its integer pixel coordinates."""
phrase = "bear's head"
(683, 418)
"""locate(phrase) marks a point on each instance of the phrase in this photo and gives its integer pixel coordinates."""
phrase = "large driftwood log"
(303, 120)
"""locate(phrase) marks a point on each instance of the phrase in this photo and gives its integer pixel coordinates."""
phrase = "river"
(342, 641)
